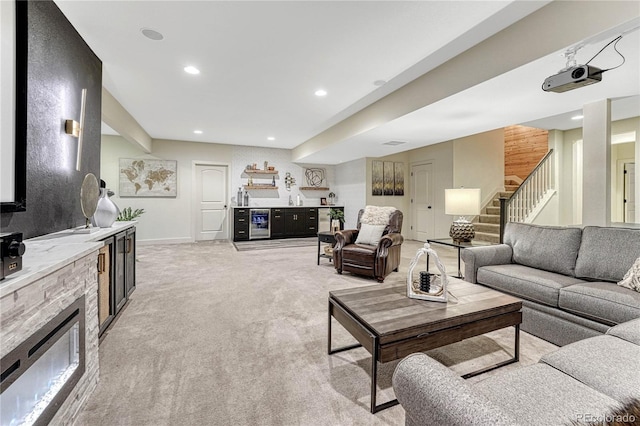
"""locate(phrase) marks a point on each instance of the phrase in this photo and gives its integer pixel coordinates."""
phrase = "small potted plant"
(337, 217)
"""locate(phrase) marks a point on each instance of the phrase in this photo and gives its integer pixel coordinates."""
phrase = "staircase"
(487, 224)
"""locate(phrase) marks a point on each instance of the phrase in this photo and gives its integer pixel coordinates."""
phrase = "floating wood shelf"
(259, 187)
(314, 188)
(260, 172)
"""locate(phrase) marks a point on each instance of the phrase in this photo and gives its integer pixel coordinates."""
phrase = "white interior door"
(422, 216)
(211, 200)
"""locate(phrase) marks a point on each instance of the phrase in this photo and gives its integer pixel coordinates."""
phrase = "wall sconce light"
(75, 129)
(462, 202)
(72, 127)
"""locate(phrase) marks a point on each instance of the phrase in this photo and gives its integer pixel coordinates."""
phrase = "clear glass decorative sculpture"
(434, 286)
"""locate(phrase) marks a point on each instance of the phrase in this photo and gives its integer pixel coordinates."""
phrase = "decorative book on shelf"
(314, 188)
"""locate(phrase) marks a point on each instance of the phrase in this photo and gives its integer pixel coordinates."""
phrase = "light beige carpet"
(213, 336)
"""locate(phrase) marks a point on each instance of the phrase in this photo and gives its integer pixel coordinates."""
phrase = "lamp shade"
(462, 201)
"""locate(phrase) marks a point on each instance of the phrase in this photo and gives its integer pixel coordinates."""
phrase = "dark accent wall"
(60, 65)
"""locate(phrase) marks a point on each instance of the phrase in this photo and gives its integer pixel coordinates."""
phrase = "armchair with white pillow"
(373, 249)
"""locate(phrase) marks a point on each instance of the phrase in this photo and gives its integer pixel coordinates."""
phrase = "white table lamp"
(462, 202)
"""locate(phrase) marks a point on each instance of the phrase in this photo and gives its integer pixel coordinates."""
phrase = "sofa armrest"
(432, 394)
(389, 240)
(347, 236)
(477, 257)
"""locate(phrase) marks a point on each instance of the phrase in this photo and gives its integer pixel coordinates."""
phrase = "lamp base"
(462, 231)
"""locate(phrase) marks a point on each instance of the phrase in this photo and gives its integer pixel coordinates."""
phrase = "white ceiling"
(261, 63)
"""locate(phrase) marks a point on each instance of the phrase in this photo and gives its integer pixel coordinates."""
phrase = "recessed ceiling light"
(191, 70)
(394, 143)
(321, 92)
(151, 34)
(197, 132)
(379, 83)
(271, 138)
(577, 117)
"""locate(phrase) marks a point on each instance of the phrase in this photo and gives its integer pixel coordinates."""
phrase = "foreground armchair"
(372, 250)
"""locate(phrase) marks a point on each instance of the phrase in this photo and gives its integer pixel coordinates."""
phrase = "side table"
(325, 237)
(459, 245)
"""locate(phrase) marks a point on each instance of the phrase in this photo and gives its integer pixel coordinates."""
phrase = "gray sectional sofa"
(581, 382)
(567, 277)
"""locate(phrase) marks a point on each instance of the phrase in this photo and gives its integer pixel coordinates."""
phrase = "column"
(596, 181)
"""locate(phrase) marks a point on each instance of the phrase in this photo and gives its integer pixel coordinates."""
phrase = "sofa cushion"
(528, 283)
(629, 331)
(370, 234)
(551, 248)
(631, 279)
(541, 395)
(606, 254)
(604, 302)
(604, 363)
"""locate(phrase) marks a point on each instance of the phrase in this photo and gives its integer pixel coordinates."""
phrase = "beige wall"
(165, 220)
(567, 184)
(478, 162)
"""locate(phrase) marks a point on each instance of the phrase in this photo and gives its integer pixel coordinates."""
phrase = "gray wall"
(60, 65)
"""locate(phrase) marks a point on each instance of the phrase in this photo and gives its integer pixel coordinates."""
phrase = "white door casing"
(630, 192)
(422, 216)
(211, 221)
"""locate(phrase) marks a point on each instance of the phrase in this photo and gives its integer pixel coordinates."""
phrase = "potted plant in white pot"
(337, 217)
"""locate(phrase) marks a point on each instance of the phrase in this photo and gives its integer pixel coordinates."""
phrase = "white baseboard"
(164, 241)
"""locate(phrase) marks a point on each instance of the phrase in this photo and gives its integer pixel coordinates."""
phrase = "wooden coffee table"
(391, 326)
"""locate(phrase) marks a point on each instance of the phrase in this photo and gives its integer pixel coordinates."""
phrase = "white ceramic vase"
(106, 212)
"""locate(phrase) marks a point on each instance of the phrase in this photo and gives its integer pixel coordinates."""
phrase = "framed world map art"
(148, 178)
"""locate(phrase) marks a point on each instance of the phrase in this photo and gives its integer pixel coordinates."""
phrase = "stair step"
(492, 228)
(489, 218)
(493, 210)
(496, 202)
(511, 188)
(505, 194)
(490, 238)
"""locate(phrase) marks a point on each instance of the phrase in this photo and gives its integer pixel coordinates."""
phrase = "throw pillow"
(376, 215)
(632, 278)
(370, 234)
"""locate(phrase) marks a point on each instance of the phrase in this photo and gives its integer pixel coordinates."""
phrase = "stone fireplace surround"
(58, 269)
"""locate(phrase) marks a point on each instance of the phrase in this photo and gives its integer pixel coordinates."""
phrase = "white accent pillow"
(632, 278)
(376, 215)
(370, 234)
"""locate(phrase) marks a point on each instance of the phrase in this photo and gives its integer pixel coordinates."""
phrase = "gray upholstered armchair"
(376, 261)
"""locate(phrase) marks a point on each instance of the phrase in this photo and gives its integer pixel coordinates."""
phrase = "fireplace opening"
(39, 374)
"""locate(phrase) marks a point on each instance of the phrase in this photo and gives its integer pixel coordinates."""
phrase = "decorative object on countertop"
(337, 217)
(106, 212)
(266, 164)
(332, 198)
(127, 214)
(246, 198)
(89, 194)
(11, 250)
(273, 181)
(437, 284)
(462, 202)
(298, 200)
(289, 181)
(290, 200)
(239, 197)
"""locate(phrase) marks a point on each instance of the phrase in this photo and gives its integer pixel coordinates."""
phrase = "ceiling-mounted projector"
(574, 77)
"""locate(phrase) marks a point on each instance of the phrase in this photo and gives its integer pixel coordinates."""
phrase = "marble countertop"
(48, 253)
(284, 207)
